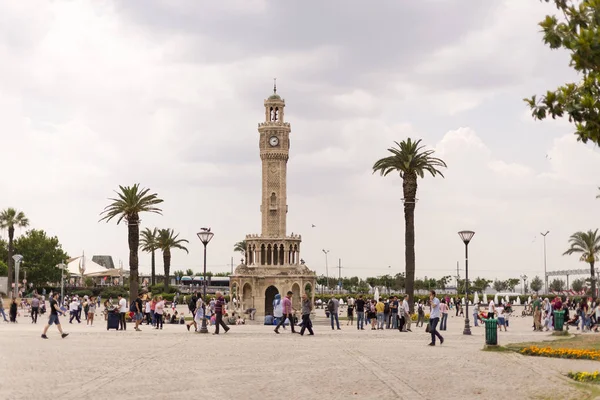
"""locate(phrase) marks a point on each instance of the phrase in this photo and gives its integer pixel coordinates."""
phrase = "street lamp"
(205, 235)
(545, 276)
(62, 281)
(18, 258)
(326, 267)
(466, 237)
(524, 277)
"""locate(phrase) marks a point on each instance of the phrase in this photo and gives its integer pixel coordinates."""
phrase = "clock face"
(273, 141)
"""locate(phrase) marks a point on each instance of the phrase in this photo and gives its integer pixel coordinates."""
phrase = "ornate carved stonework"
(272, 263)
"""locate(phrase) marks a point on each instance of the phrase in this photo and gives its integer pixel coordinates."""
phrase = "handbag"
(427, 328)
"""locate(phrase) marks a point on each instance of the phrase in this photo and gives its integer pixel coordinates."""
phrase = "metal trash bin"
(559, 320)
(491, 331)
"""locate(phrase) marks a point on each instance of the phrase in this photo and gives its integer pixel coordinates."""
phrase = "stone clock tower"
(272, 263)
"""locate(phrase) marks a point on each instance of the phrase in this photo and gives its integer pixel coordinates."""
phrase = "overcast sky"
(168, 93)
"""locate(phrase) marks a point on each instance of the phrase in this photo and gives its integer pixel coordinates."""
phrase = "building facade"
(272, 262)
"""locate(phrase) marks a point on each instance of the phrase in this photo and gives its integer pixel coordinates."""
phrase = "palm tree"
(241, 247)
(148, 243)
(588, 245)
(11, 219)
(167, 240)
(130, 203)
(410, 160)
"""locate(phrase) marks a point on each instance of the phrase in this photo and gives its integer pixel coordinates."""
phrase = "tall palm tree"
(11, 219)
(149, 244)
(167, 240)
(132, 201)
(410, 160)
(588, 245)
(241, 247)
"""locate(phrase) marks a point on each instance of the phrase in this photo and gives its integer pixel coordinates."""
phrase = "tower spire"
(274, 85)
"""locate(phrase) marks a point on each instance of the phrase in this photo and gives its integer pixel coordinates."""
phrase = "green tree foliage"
(499, 286)
(240, 247)
(511, 283)
(189, 272)
(587, 246)
(168, 240)
(480, 284)
(3, 268)
(411, 161)
(577, 30)
(536, 284)
(130, 202)
(578, 285)
(9, 220)
(40, 254)
(557, 285)
(149, 244)
(179, 273)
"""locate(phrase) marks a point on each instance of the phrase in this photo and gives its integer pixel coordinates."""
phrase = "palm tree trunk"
(153, 273)
(11, 250)
(134, 244)
(592, 275)
(409, 186)
(167, 264)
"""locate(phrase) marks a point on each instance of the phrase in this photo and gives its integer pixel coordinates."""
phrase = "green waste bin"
(559, 320)
(491, 331)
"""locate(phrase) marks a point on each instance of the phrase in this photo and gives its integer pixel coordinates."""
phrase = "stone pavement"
(252, 362)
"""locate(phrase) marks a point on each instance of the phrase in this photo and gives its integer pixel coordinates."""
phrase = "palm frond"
(167, 240)
(130, 202)
(409, 157)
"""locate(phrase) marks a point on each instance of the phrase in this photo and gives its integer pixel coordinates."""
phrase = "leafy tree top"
(577, 31)
(11, 218)
(149, 240)
(167, 240)
(587, 244)
(131, 201)
(409, 159)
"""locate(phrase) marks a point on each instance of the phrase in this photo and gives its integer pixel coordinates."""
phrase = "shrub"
(159, 288)
(82, 293)
(114, 291)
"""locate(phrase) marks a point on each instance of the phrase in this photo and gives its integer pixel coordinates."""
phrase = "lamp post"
(62, 281)
(17, 258)
(466, 237)
(524, 278)
(326, 267)
(545, 276)
(205, 235)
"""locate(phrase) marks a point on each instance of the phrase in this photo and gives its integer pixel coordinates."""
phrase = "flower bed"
(584, 376)
(580, 354)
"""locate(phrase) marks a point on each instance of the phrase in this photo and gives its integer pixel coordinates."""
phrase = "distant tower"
(274, 144)
(272, 264)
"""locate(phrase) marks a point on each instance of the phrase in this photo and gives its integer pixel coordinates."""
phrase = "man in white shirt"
(406, 309)
(434, 318)
(491, 309)
(74, 310)
(122, 312)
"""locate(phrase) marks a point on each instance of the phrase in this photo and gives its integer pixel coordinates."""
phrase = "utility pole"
(457, 277)
(326, 267)
(340, 275)
(545, 272)
(231, 265)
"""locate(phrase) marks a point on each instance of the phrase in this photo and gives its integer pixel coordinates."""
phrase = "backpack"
(192, 304)
(386, 308)
(132, 307)
(330, 306)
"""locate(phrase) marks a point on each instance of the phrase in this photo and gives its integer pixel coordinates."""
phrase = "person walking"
(350, 312)
(333, 307)
(360, 313)
(307, 308)
(287, 312)
(434, 318)
(74, 309)
(491, 309)
(13, 311)
(138, 314)
(122, 312)
(387, 313)
(420, 313)
(537, 313)
(159, 310)
(91, 312)
(53, 320)
(2, 309)
(277, 309)
(35, 308)
(192, 308)
(407, 316)
(380, 310)
(476, 315)
(444, 314)
(219, 308)
(394, 312)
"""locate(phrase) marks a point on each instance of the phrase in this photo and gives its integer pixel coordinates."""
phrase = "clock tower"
(272, 263)
(274, 144)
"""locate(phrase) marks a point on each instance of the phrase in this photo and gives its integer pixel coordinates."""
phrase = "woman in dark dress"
(13, 311)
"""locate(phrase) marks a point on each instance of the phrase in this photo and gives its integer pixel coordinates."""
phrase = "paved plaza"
(252, 362)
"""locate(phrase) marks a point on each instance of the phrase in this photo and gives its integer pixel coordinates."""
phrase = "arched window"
(263, 256)
(269, 255)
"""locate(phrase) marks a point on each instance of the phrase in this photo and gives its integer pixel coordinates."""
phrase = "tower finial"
(274, 85)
